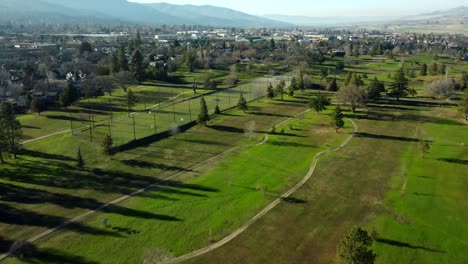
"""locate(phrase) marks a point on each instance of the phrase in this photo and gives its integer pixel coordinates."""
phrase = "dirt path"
(125, 197)
(272, 205)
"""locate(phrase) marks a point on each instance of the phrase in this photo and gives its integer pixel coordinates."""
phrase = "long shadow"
(416, 103)
(205, 142)
(43, 155)
(268, 114)
(150, 165)
(29, 253)
(425, 194)
(375, 136)
(287, 134)
(391, 107)
(66, 177)
(293, 200)
(17, 194)
(457, 161)
(290, 144)
(227, 129)
(16, 216)
(30, 127)
(67, 118)
(407, 245)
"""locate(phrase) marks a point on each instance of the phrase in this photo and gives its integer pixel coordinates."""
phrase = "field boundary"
(268, 208)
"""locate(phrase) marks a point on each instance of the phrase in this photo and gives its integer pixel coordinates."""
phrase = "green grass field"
(417, 206)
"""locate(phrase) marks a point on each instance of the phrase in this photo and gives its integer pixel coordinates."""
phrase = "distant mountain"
(454, 15)
(214, 16)
(39, 11)
(75, 11)
(322, 21)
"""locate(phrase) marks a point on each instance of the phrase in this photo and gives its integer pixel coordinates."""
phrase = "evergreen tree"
(300, 81)
(319, 103)
(355, 80)
(217, 111)
(85, 47)
(203, 116)
(131, 100)
(464, 80)
(423, 71)
(399, 87)
(37, 105)
(10, 129)
(79, 159)
(464, 104)
(442, 68)
(374, 89)
(68, 96)
(137, 40)
(356, 248)
(242, 103)
(293, 86)
(270, 91)
(114, 63)
(123, 62)
(348, 78)
(280, 88)
(337, 118)
(272, 44)
(137, 66)
(434, 69)
(333, 87)
(108, 146)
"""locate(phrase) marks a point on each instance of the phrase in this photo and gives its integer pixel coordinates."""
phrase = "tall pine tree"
(11, 130)
(203, 116)
(399, 87)
(242, 103)
(137, 66)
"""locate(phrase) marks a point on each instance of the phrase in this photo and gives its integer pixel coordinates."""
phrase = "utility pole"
(154, 123)
(71, 121)
(90, 127)
(134, 130)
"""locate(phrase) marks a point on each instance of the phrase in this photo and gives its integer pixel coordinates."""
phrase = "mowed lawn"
(201, 205)
(417, 206)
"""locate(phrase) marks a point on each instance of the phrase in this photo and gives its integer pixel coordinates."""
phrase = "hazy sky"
(327, 8)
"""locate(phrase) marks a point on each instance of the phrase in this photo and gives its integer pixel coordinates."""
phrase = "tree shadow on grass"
(29, 253)
(406, 245)
(376, 136)
(268, 114)
(43, 155)
(66, 118)
(293, 200)
(290, 144)
(150, 165)
(227, 129)
(22, 217)
(456, 161)
(205, 142)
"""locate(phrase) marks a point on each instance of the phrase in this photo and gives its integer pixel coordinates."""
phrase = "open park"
(273, 183)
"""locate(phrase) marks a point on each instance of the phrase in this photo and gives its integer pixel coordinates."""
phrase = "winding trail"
(272, 205)
(125, 197)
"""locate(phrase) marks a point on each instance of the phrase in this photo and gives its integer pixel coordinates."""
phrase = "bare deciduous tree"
(250, 129)
(353, 96)
(442, 89)
(124, 78)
